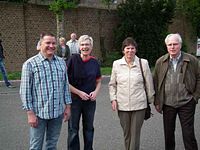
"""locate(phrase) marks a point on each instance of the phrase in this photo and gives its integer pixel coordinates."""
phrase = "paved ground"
(14, 133)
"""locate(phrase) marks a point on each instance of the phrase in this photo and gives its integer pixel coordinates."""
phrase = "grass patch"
(106, 70)
(17, 75)
(12, 75)
(106, 66)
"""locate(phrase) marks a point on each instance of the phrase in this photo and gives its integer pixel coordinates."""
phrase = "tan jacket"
(127, 87)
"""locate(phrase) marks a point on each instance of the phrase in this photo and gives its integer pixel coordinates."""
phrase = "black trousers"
(186, 117)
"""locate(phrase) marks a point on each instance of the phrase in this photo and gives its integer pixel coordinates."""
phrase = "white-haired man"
(177, 84)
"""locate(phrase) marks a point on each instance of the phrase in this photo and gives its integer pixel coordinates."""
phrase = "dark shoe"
(11, 86)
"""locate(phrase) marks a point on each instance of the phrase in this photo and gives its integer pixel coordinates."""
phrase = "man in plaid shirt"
(45, 94)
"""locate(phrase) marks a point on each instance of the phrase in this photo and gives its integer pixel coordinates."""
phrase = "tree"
(147, 22)
(108, 3)
(191, 8)
(17, 1)
(58, 7)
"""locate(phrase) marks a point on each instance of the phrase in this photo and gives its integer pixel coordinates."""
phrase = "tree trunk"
(60, 25)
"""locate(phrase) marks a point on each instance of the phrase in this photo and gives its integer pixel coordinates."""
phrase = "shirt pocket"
(61, 74)
(39, 73)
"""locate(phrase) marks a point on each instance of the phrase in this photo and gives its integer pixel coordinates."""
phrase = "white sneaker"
(11, 86)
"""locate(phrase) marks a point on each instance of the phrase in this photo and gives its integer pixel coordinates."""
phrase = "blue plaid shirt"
(44, 86)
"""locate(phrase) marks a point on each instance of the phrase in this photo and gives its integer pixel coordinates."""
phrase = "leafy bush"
(147, 22)
(110, 57)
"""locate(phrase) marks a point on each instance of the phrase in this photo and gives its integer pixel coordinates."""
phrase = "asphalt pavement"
(14, 130)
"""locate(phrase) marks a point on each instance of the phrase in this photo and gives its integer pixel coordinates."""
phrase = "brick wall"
(21, 25)
(12, 31)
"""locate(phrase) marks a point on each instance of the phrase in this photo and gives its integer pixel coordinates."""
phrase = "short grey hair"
(176, 35)
(84, 38)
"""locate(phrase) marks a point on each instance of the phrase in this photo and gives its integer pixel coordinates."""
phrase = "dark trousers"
(87, 110)
(186, 117)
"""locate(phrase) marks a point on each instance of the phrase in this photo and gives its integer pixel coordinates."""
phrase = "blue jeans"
(3, 71)
(52, 127)
(87, 110)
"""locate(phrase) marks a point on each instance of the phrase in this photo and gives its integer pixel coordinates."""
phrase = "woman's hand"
(114, 105)
(84, 96)
(93, 96)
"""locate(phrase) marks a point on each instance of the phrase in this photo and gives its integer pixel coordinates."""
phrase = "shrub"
(147, 22)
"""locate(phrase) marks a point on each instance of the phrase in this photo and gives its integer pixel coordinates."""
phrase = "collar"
(135, 61)
(72, 40)
(184, 56)
(86, 60)
(176, 59)
(43, 58)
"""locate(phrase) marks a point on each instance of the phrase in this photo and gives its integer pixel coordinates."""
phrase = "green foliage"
(106, 70)
(147, 22)
(110, 57)
(107, 3)
(192, 10)
(16, 1)
(12, 76)
(57, 6)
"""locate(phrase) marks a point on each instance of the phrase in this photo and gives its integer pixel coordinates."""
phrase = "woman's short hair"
(129, 41)
(84, 38)
(61, 39)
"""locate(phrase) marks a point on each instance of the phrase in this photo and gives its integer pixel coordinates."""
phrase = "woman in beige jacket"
(127, 94)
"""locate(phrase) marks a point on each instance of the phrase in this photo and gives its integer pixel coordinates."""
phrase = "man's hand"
(157, 107)
(67, 113)
(32, 119)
